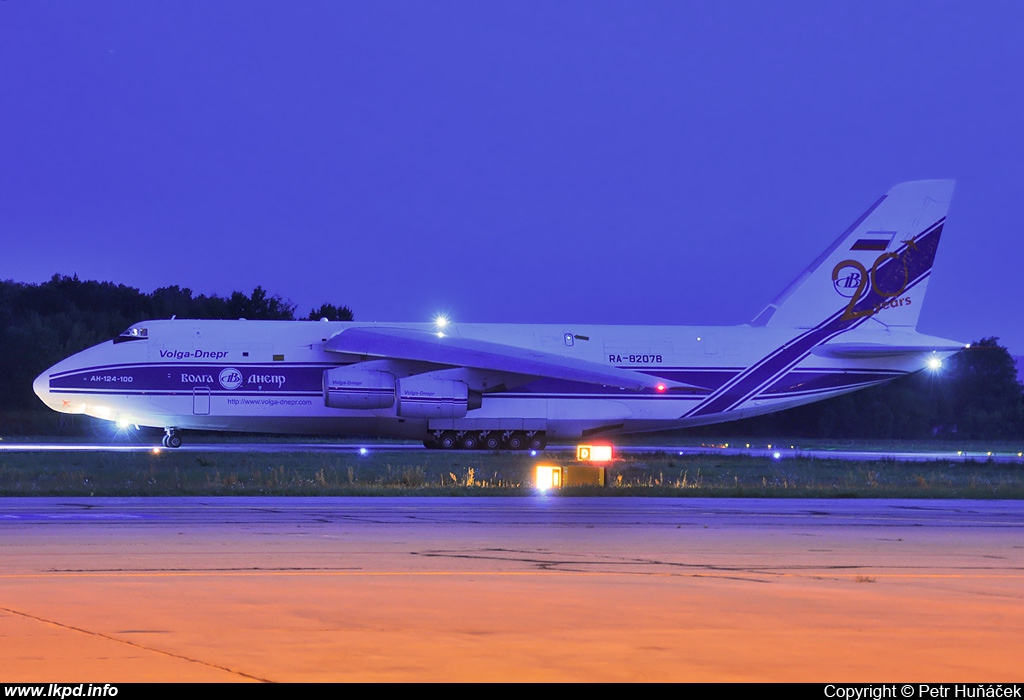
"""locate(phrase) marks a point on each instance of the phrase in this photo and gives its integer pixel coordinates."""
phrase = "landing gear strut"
(171, 438)
(486, 440)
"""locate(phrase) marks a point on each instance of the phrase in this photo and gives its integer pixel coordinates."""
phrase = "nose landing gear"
(171, 438)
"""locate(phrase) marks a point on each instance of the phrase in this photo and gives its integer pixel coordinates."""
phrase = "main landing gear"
(171, 438)
(486, 440)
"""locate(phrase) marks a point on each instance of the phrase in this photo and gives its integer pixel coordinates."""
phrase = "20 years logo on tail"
(884, 280)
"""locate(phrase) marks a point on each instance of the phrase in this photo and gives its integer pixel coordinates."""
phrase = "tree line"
(41, 324)
(977, 396)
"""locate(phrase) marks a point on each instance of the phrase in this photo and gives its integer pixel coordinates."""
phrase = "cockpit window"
(132, 333)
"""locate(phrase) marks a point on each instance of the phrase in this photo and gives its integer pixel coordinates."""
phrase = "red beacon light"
(660, 388)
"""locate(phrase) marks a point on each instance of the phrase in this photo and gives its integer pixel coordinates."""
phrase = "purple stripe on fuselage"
(199, 365)
(186, 377)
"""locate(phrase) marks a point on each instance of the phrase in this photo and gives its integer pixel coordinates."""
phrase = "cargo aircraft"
(847, 322)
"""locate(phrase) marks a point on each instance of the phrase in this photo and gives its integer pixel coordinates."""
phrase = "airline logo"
(230, 378)
(849, 284)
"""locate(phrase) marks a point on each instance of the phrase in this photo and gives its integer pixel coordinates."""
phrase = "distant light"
(777, 455)
(441, 321)
(156, 450)
(934, 363)
(440, 334)
(363, 451)
(533, 453)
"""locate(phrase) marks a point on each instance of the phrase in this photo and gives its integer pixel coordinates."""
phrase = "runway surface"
(530, 589)
(773, 452)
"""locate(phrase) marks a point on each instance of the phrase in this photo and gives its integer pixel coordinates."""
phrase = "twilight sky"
(599, 162)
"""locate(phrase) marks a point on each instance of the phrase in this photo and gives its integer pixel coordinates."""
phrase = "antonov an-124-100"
(847, 322)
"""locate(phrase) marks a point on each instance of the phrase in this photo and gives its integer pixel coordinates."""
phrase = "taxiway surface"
(531, 589)
(776, 452)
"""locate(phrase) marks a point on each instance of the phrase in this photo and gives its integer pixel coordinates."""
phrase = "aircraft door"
(201, 401)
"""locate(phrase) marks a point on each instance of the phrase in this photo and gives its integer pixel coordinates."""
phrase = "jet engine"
(418, 396)
(361, 389)
(429, 397)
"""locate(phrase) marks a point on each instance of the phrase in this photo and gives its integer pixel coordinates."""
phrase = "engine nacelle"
(361, 389)
(428, 397)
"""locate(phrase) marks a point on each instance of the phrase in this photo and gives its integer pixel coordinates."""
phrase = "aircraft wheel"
(163, 440)
(517, 441)
(492, 441)
(538, 442)
(448, 441)
(470, 441)
(430, 443)
(174, 441)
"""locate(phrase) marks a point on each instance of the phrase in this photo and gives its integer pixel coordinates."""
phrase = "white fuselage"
(267, 376)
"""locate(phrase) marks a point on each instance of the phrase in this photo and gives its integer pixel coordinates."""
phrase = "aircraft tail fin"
(878, 268)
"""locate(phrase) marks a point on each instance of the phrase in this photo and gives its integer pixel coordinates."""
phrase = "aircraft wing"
(453, 351)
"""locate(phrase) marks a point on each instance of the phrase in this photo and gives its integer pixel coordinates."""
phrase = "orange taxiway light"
(594, 453)
(549, 476)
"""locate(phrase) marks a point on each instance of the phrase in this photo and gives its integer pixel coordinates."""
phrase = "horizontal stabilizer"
(868, 350)
(453, 351)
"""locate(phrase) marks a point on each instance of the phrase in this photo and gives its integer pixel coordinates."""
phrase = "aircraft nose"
(42, 387)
